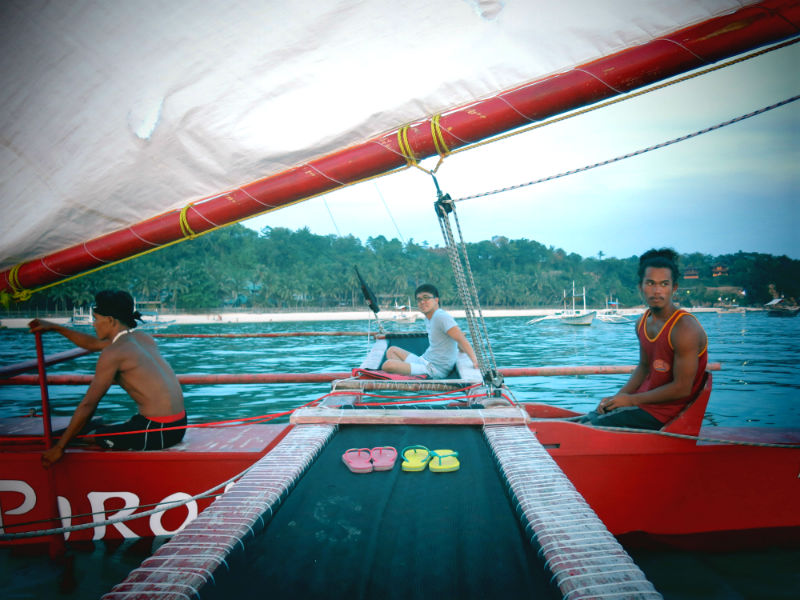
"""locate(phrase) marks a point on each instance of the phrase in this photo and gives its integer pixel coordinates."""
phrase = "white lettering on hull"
(98, 501)
(28, 498)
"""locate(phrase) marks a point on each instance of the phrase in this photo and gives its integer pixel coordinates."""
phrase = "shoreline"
(300, 317)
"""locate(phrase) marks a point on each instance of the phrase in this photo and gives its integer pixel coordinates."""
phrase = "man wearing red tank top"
(672, 354)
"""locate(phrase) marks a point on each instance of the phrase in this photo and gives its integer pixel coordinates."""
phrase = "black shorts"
(150, 434)
(626, 416)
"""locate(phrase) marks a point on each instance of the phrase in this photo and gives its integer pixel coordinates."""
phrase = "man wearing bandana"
(132, 360)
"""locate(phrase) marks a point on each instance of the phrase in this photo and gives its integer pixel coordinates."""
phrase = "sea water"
(757, 386)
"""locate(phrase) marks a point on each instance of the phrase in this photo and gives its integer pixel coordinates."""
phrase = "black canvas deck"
(393, 534)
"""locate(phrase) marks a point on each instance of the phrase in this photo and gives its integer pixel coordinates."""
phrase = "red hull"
(665, 487)
(89, 481)
(668, 487)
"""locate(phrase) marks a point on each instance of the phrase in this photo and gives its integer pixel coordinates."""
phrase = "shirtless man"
(130, 359)
(445, 338)
(672, 354)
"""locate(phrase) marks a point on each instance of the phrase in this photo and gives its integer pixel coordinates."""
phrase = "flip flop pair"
(416, 458)
(364, 460)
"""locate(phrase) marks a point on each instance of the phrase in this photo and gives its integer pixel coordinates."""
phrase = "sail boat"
(153, 139)
(573, 316)
(612, 314)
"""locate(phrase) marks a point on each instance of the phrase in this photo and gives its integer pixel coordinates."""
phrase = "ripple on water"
(758, 383)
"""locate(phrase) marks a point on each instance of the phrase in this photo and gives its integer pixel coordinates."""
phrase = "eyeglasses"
(424, 298)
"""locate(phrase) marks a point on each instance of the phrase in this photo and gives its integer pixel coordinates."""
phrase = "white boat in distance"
(570, 316)
(404, 314)
(612, 314)
(81, 317)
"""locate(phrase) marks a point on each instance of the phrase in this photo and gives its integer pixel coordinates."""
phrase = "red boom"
(767, 22)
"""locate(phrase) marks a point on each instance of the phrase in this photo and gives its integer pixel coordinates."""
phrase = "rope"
(105, 512)
(19, 293)
(405, 147)
(467, 291)
(701, 439)
(637, 152)
(61, 530)
(438, 137)
(682, 436)
(628, 96)
(186, 230)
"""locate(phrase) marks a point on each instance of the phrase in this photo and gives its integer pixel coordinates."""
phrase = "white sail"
(113, 112)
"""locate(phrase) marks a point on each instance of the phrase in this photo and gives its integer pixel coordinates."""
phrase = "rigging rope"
(459, 261)
(624, 98)
(172, 504)
(635, 153)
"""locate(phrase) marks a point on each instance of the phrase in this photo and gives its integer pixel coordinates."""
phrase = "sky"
(737, 188)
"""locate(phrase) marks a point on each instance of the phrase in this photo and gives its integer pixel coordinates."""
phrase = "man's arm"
(463, 344)
(686, 339)
(103, 378)
(80, 339)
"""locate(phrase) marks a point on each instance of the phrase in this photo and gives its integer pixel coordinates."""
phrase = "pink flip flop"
(383, 458)
(358, 460)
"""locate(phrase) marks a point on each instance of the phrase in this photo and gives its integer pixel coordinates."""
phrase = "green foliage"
(236, 267)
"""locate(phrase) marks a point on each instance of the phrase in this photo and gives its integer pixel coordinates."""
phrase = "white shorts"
(420, 366)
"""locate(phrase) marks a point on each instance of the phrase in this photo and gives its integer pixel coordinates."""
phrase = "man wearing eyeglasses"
(445, 339)
(132, 360)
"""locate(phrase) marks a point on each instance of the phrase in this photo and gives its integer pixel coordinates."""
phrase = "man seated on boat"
(131, 359)
(445, 339)
(672, 354)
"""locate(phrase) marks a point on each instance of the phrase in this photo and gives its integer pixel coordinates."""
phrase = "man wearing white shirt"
(445, 339)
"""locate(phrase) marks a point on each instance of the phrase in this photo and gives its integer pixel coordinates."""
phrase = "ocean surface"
(758, 385)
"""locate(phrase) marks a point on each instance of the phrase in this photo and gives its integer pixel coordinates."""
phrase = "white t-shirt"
(443, 350)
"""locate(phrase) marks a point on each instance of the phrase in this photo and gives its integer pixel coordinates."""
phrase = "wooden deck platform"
(410, 416)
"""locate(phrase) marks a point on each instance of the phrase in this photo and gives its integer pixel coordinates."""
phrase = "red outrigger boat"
(669, 484)
(683, 484)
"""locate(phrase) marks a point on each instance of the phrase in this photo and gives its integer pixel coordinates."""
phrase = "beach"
(287, 317)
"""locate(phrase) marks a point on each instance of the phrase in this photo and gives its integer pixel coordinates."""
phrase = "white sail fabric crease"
(115, 112)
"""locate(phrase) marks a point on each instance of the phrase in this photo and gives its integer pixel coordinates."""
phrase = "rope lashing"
(405, 147)
(186, 230)
(19, 292)
(438, 137)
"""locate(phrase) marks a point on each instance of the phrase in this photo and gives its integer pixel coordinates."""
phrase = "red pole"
(40, 362)
(264, 378)
(57, 547)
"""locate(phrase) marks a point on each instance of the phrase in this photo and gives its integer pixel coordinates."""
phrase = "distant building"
(691, 273)
(719, 271)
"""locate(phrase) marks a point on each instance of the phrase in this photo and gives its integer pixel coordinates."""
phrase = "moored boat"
(573, 316)
(81, 316)
(780, 308)
(612, 314)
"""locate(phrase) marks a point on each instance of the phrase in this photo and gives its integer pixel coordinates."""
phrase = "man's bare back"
(145, 375)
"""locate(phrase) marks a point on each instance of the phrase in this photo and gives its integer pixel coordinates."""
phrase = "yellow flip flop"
(415, 458)
(444, 461)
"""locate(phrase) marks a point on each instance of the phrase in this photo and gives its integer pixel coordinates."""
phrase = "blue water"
(758, 385)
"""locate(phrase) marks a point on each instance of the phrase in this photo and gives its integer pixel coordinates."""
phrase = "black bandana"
(117, 304)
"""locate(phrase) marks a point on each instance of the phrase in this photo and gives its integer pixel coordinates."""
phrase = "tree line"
(236, 267)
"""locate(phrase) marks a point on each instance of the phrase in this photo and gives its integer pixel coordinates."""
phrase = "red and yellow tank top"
(660, 355)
